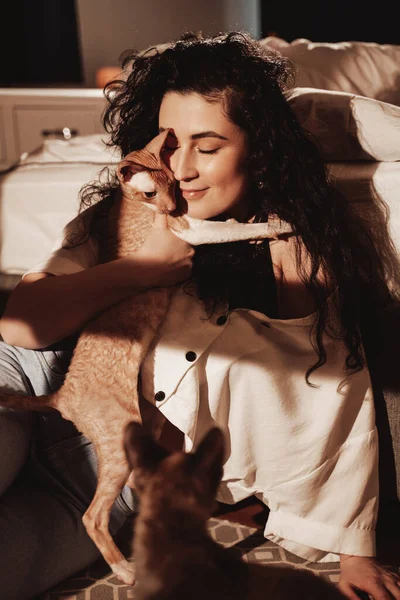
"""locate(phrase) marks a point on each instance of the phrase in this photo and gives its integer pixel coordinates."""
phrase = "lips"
(193, 194)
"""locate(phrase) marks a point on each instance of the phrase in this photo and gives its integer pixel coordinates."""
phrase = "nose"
(183, 165)
(166, 201)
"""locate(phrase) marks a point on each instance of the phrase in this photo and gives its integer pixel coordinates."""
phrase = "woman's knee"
(23, 372)
(33, 372)
(15, 426)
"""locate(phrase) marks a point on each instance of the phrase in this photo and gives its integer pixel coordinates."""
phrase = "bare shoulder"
(283, 254)
(294, 299)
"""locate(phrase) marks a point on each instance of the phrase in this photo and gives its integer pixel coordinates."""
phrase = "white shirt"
(310, 453)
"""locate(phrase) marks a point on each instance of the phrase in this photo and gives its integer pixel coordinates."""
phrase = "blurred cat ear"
(142, 451)
(156, 144)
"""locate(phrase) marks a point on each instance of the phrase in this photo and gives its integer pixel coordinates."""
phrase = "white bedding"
(41, 195)
(36, 203)
(360, 180)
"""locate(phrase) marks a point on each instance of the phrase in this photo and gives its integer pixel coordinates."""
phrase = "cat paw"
(124, 571)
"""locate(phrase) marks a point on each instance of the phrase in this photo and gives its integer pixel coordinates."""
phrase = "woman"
(264, 339)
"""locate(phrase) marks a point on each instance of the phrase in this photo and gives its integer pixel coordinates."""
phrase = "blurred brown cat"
(176, 558)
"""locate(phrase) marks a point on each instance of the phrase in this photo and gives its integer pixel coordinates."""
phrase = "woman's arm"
(45, 309)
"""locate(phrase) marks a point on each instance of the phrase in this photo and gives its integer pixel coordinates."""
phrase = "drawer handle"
(65, 133)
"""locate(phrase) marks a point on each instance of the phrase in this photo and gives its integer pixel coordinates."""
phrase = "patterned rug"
(98, 583)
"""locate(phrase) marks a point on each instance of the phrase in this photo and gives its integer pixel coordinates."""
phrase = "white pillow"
(80, 149)
(362, 68)
(348, 127)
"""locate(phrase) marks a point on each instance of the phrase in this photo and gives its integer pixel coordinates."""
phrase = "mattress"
(375, 187)
(40, 194)
(38, 199)
(36, 202)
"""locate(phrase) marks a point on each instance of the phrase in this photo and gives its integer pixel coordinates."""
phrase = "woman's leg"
(42, 539)
(15, 427)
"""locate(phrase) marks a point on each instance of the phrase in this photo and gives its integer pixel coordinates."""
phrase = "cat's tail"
(42, 403)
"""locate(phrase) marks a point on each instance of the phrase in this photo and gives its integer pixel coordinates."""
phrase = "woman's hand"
(32, 316)
(166, 258)
(365, 574)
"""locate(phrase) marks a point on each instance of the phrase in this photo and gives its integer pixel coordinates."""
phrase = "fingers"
(376, 591)
(394, 589)
(160, 221)
(394, 585)
(348, 591)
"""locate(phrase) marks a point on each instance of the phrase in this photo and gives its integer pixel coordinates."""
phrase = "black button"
(159, 396)
(222, 320)
(191, 356)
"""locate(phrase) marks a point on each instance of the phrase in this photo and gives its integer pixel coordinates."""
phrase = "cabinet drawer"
(32, 121)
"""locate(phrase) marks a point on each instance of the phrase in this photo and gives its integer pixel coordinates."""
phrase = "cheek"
(230, 177)
(229, 167)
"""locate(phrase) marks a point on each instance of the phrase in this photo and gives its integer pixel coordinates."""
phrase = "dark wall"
(40, 44)
(332, 20)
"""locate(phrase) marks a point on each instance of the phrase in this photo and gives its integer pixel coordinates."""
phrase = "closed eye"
(150, 194)
(209, 151)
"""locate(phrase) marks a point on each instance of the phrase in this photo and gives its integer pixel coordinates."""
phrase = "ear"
(209, 456)
(128, 167)
(141, 449)
(156, 144)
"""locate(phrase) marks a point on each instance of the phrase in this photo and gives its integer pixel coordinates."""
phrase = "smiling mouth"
(191, 194)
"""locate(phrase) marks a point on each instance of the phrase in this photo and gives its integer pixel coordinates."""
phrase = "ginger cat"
(100, 394)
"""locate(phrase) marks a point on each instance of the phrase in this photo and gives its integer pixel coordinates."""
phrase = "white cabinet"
(27, 116)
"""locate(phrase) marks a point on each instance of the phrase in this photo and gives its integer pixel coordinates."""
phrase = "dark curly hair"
(286, 171)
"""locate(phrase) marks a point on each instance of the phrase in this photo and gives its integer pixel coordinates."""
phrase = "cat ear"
(209, 456)
(128, 167)
(156, 144)
(142, 451)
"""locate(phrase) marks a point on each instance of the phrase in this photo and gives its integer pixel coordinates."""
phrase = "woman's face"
(207, 154)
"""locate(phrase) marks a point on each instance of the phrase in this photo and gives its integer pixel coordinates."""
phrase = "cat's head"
(145, 177)
(176, 481)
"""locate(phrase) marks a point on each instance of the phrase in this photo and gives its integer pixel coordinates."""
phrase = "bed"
(346, 95)
(40, 194)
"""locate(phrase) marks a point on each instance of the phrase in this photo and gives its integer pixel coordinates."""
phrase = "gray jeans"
(47, 480)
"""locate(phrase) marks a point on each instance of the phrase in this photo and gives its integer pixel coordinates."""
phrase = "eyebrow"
(201, 135)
